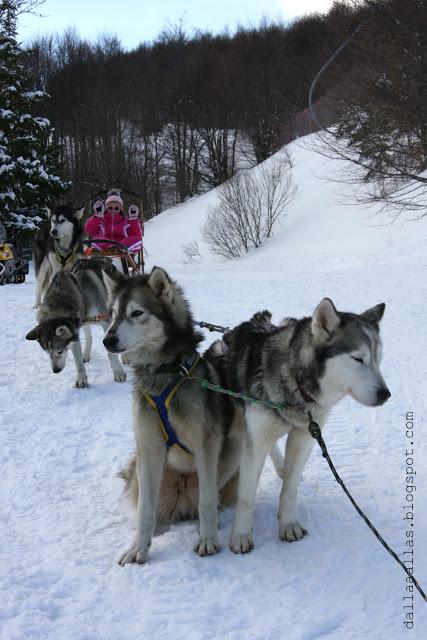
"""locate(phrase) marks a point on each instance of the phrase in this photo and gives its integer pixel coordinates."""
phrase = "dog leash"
(316, 433)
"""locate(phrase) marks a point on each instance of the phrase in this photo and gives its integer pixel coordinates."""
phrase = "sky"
(135, 21)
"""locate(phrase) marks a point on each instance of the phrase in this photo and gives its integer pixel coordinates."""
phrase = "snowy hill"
(64, 521)
(323, 220)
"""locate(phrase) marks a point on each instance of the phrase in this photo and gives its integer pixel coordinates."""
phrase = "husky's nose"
(383, 395)
(54, 233)
(110, 342)
(56, 369)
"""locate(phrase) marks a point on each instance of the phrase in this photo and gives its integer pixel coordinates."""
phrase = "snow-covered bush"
(250, 204)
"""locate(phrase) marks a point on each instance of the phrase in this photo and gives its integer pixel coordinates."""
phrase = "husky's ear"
(34, 334)
(49, 213)
(78, 213)
(374, 314)
(64, 331)
(160, 283)
(113, 280)
(325, 319)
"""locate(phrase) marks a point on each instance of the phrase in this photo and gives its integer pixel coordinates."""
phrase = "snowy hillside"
(64, 521)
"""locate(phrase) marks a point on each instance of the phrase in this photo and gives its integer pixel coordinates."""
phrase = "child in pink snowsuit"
(110, 223)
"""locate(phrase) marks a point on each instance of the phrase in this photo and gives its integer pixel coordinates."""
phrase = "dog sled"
(132, 262)
(131, 259)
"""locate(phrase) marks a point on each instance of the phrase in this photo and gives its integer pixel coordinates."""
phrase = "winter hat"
(98, 208)
(114, 196)
(133, 212)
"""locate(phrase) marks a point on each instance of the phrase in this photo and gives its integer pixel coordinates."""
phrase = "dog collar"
(64, 260)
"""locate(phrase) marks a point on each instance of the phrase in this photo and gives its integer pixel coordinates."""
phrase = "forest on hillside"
(177, 116)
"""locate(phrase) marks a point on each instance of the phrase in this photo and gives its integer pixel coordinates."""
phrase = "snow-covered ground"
(63, 519)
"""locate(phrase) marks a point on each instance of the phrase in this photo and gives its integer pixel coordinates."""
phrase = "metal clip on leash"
(212, 327)
(315, 432)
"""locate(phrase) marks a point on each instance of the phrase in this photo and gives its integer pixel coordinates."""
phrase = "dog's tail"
(179, 493)
(128, 474)
(39, 247)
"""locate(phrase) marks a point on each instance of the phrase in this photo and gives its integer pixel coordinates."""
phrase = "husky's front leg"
(298, 448)
(207, 470)
(258, 443)
(88, 342)
(150, 461)
(41, 280)
(76, 350)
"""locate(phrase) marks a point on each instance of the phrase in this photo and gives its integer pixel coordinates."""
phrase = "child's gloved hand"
(133, 212)
(98, 208)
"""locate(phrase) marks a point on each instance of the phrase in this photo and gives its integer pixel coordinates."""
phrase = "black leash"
(315, 432)
(212, 327)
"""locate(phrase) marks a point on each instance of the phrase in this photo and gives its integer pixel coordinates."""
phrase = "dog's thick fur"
(73, 300)
(311, 364)
(61, 235)
(153, 324)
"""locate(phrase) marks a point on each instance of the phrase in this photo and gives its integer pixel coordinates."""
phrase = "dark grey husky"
(75, 299)
(57, 245)
(309, 364)
(153, 324)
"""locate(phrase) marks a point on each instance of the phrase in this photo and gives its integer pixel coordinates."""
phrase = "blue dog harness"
(163, 401)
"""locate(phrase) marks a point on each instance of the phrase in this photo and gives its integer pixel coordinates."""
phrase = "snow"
(64, 520)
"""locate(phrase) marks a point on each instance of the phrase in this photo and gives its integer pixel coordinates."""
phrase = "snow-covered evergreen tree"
(29, 178)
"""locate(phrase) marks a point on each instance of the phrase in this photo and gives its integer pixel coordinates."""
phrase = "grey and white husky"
(57, 244)
(153, 324)
(75, 299)
(309, 364)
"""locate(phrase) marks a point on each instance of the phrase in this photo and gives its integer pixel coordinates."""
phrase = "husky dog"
(73, 300)
(153, 324)
(58, 244)
(309, 364)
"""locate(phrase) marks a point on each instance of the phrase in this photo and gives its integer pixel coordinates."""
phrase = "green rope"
(205, 384)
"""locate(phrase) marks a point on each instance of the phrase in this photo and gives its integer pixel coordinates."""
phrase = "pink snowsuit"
(115, 227)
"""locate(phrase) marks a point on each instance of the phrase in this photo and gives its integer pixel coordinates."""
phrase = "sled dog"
(309, 364)
(57, 244)
(153, 324)
(75, 299)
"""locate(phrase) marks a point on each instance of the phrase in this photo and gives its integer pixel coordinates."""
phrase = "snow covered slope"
(64, 522)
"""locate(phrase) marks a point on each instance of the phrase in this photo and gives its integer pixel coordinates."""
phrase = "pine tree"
(29, 179)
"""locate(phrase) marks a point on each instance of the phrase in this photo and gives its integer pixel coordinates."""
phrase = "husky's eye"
(357, 359)
(59, 353)
(136, 313)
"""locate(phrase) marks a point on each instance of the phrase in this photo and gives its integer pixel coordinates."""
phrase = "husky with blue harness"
(188, 441)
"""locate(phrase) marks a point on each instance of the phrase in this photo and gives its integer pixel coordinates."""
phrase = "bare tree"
(251, 204)
(382, 106)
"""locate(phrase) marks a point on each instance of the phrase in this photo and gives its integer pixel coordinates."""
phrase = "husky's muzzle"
(383, 394)
(111, 343)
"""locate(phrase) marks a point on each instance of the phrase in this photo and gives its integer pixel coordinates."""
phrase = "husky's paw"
(207, 546)
(36, 305)
(86, 358)
(133, 555)
(280, 472)
(125, 359)
(290, 532)
(242, 544)
(120, 376)
(81, 383)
